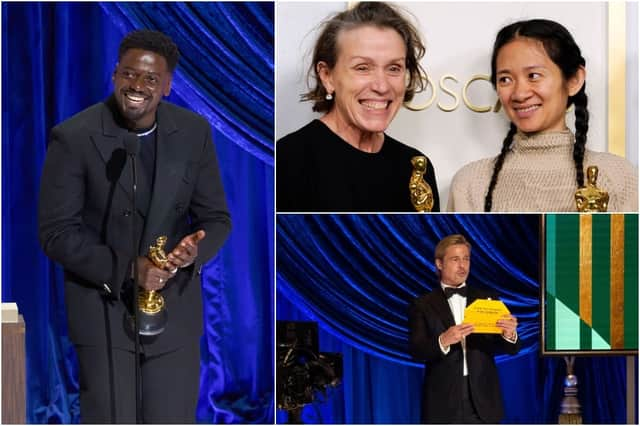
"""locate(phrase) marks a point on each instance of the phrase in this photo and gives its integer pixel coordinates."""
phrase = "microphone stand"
(132, 145)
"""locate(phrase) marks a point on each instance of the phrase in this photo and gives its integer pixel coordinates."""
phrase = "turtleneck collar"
(146, 132)
(557, 140)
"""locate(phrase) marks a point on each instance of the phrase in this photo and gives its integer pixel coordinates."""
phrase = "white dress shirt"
(457, 303)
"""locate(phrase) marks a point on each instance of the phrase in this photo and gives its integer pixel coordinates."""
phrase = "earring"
(328, 96)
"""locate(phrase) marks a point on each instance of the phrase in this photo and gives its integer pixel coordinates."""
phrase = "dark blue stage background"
(355, 275)
(57, 59)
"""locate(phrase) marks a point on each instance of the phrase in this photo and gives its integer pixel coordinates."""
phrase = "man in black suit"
(85, 222)
(461, 380)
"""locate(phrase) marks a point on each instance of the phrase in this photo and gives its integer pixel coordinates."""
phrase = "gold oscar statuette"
(590, 198)
(151, 306)
(419, 190)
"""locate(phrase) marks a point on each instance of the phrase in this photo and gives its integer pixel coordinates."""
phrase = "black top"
(147, 162)
(317, 171)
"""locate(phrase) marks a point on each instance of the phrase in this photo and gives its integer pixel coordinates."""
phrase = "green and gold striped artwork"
(591, 282)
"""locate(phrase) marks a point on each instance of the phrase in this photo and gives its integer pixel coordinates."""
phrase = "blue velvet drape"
(356, 274)
(57, 59)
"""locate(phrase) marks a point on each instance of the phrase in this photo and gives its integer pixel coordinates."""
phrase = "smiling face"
(368, 79)
(454, 265)
(140, 79)
(531, 86)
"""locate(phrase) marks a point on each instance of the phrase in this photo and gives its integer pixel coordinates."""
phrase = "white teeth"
(133, 98)
(374, 105)
(531, 108)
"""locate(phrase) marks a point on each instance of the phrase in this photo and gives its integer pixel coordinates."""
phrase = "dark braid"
(506, 144)
(582, 126)
(565, 53)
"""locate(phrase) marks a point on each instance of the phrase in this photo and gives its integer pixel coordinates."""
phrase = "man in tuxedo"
(461, 380)
(86, 224)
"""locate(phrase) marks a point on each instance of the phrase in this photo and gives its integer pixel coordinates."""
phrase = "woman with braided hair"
(538, 72)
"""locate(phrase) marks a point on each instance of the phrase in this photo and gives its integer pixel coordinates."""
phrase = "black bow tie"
(450, 291)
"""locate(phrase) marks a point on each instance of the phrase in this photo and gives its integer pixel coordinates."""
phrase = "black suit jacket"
(430, 316)
(85, 220)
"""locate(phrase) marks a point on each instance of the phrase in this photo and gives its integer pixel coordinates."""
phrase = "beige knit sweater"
(538, 175)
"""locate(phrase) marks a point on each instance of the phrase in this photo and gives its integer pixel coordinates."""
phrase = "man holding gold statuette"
(456, 330)
(131, 193)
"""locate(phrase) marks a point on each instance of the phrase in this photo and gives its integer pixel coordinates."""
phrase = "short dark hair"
(153, 41)
(376, 14)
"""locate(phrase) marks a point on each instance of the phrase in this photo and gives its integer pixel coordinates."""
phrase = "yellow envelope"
(483, 314)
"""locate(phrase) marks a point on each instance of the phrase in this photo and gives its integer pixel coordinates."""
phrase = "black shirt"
(317, 171)
(146, 171)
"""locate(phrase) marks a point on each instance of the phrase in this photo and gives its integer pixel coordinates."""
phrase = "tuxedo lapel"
(471, 295)
(110, 144)
(442, 308)
(171, 160)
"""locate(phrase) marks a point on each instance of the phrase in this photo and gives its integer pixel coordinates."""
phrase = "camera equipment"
(302, 371)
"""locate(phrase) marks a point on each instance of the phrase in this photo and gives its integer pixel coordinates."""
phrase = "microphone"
(132, 146)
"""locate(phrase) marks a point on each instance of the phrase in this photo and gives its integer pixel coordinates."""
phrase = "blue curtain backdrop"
(355, 276)
(57, 59)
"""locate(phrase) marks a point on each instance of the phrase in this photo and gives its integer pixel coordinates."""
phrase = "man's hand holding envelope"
(491, 316)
